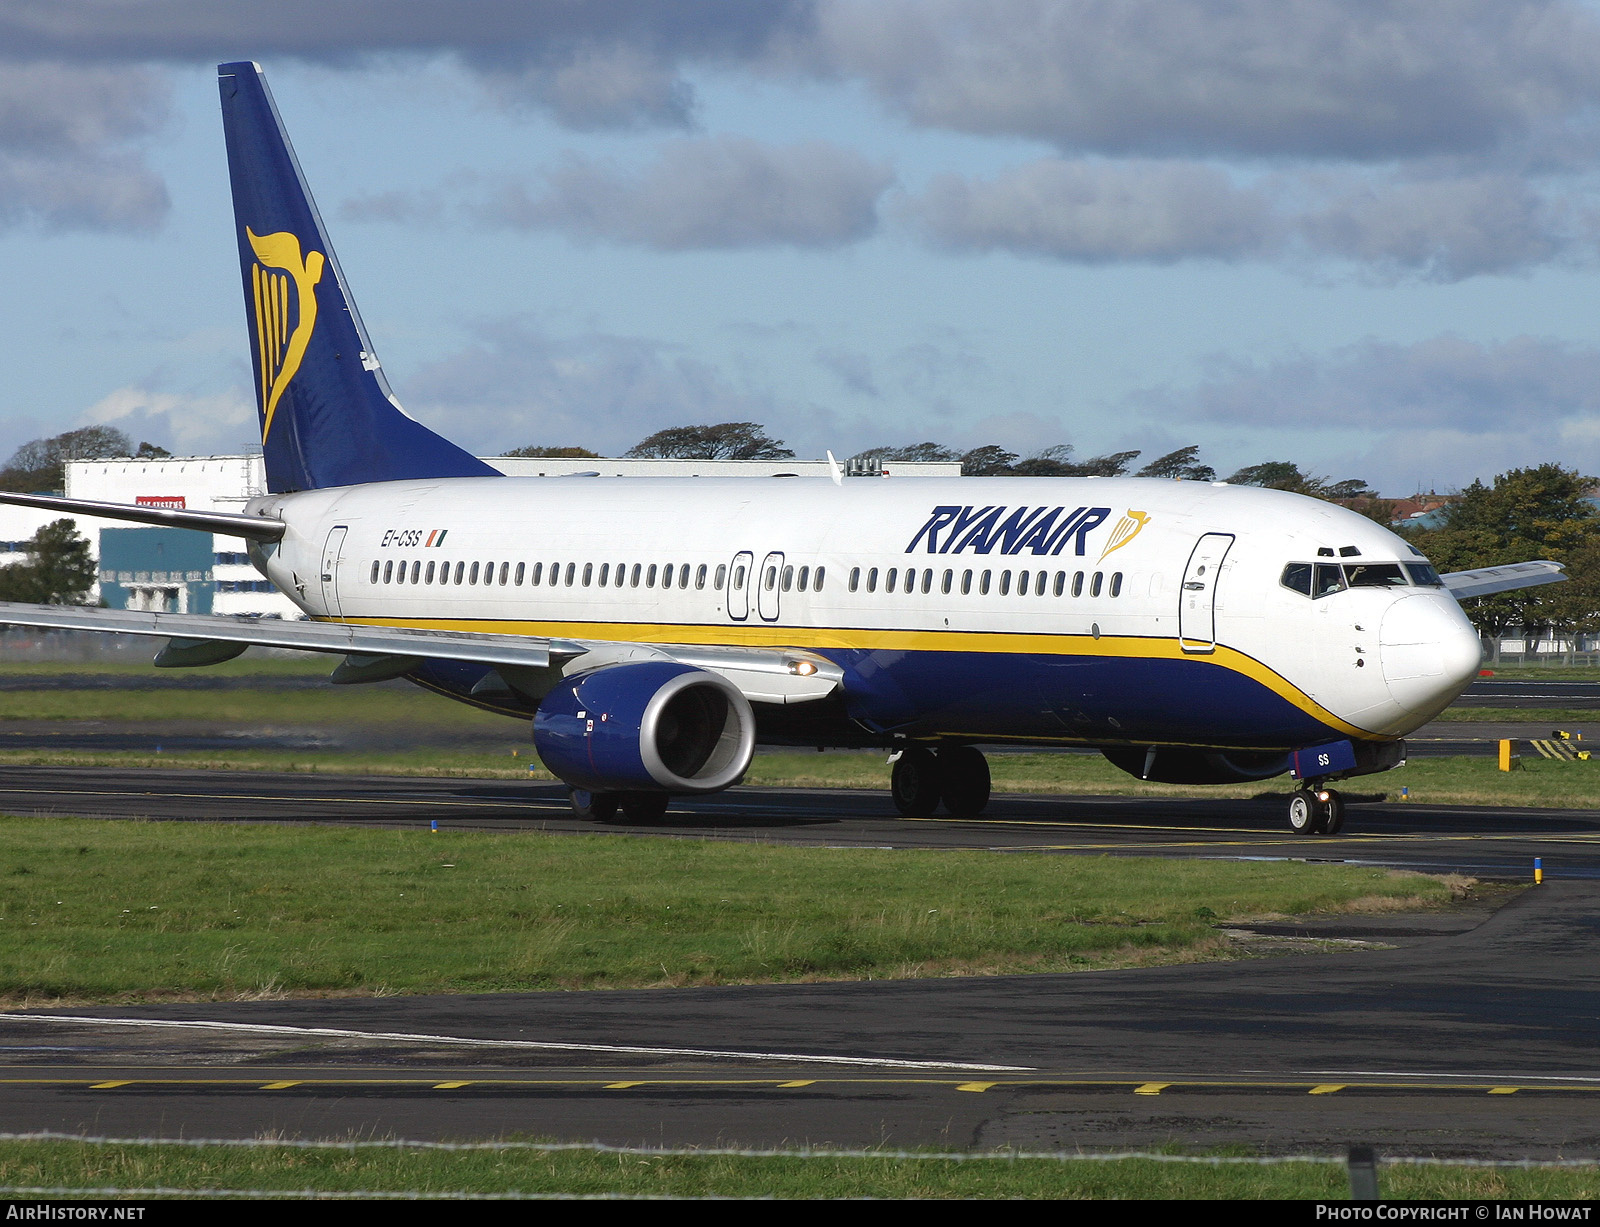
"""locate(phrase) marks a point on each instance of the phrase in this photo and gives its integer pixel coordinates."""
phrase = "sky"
(1361, 237)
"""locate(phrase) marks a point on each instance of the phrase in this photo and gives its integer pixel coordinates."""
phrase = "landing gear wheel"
(963, 775)
(644, 806)
(914, 783)
(594, 806)
(1307, 815)
(1333, 808)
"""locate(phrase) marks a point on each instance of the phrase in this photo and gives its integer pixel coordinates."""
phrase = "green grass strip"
(94, 1169)
(124, 911)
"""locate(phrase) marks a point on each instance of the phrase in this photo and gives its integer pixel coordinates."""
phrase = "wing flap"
(1485, 581)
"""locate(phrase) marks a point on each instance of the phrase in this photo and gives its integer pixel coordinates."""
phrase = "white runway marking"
(536, 1045)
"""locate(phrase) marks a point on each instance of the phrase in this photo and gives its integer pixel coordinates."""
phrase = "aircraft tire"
(1306, 814)
(644, 806)
(914, 783)
(594, 806)
(1333, 810)
(963, 774)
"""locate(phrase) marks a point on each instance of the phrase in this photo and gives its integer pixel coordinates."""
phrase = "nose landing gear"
(1316, 811)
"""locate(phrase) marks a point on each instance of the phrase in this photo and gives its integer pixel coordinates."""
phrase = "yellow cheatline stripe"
(822, 638)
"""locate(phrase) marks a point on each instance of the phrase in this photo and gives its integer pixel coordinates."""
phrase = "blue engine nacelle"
(653, 726)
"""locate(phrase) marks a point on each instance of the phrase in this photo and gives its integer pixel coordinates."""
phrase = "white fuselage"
(1070, 610)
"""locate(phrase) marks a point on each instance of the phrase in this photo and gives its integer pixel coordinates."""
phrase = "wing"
(1485, 581)
(233, 524)
(375, 653)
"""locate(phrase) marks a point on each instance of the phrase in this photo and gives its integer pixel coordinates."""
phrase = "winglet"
(834, 471)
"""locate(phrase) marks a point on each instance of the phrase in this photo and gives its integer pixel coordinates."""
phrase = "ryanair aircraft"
(654, 630)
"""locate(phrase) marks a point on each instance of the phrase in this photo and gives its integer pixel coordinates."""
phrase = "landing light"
(802, 668)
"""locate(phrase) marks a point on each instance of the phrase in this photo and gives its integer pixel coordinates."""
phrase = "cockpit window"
(1330, 579)
(1423, 575)
(1297, 575)
(1376, 575)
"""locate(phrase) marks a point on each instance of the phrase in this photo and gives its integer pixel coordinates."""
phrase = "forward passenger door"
(1197, 598)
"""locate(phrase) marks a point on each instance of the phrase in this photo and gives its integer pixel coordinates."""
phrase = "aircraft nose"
(1430, 652)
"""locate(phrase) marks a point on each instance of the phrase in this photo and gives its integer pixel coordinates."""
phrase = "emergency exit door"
(1197, 599)
(330, 570)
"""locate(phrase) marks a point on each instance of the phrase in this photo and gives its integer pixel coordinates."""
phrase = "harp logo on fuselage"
(285, 300)
(991, 529)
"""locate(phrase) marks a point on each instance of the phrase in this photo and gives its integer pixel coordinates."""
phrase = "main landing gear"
(1316, 811)
(956, 777)
(603, 806)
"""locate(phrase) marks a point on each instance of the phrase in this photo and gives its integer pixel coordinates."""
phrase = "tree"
(1525, 514)
(576, 453)
(727, 441)
(1179, 464)
(59, 570)
(919, 452)
(42, 463)
(988, 461)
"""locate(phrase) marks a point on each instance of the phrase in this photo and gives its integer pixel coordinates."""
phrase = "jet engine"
(648, 726)
(1185, 765)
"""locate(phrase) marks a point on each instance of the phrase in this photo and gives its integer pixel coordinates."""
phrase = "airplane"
(653, 631)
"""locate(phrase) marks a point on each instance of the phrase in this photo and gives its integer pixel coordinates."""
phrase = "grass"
(366, 705)
(124, 911)
(91, 1166)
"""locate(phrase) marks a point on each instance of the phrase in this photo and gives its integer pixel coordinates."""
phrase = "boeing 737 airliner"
(654, 630)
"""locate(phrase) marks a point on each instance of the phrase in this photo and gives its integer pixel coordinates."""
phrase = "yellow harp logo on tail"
(1129, 527)
(285, 289)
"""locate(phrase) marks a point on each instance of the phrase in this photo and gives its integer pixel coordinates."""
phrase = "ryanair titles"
(985, 530)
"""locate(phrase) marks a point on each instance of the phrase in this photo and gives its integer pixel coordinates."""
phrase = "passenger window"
(770, 579)
(388, 572)
(983, 583)
(571, 568)
(1005, 583)
(650, 576)
(949, 579)
(605, 574)
(555, 574)
(633, 579)
(892, 579)
(816, 580)
(505, 574)
(1061, 582)
(738, 577)
(788, 578)
(460, 569)
(428, 579)
(1077, 584)
(1330, 579)
(927, 581)
(588, 573)
(911, 579)
(722, 574)
(375, 566)
(966, 583)
(416, 571)
(1297, 576)
(855, 577)
(683, 576)
(1116, 584)
(620, 577)
(872, 579)
(522, 568)
(805, 578)
(538, 573)
(474, 578)
(1094, 584)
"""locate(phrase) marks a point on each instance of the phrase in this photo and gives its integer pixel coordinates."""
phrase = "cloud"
(1098, 212)
(221, 423)
(852, 368)
(1321, 79)
(63, 155)
(1441, 411)
(516, 386)
(717, 192)
(612, 64)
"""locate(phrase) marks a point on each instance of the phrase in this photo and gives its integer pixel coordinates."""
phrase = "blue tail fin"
(327, 415)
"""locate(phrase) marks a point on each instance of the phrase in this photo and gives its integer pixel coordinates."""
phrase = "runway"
(1471, 1043)
(1464, 1033)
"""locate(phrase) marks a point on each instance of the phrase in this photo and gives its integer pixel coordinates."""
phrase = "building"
(179, 570)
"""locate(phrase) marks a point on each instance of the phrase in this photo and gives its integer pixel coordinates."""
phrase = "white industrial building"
(178, 569)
